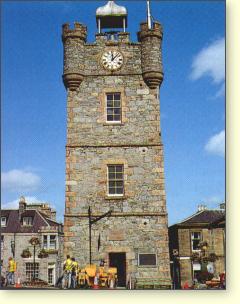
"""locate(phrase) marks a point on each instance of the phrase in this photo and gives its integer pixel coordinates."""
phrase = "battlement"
(113, 37)
(78, 31)
(155, 31)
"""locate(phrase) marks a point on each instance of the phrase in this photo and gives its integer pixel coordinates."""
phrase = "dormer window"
(3, 221)
(27, 221)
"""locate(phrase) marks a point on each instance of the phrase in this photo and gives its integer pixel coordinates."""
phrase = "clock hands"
(113, 58)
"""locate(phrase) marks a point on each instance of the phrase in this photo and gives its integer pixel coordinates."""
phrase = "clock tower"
(114, 150)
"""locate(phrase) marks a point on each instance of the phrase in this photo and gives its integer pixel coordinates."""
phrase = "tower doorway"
(118, 260)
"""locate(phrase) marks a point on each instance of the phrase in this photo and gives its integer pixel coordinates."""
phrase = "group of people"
(70, 273)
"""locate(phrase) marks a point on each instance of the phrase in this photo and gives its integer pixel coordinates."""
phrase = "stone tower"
(114, 151)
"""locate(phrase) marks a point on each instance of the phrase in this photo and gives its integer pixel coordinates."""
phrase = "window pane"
(111, 176)
(53, 241)
(111, 190)
(45, 241)
(119, 184)
(195, 244)
(117, 111)
(110, 111)
(119, 175)
(117, 104)
(119, 168)
(119, 191)
(110, 103)
(111, 168)
(109, 96)
(117, 96)
(117, 118)
(109, 118)
(111, 184)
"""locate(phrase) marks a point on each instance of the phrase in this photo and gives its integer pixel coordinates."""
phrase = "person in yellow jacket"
(11, 271)
(75, 271)
(67, 268)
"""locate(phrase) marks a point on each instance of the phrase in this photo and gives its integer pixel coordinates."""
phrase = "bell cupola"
(111, 16)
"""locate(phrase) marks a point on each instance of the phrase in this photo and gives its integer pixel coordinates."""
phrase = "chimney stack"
(202, 207)
(222, 206)
(22, 205)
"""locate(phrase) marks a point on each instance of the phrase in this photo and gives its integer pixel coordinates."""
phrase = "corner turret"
(151, 53)
(73, 41)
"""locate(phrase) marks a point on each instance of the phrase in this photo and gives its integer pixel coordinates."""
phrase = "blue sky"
(192, 98)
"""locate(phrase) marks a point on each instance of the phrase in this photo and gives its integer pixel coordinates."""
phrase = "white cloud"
(14, 204)
(210, 61)
(216, 144)
(20, 181)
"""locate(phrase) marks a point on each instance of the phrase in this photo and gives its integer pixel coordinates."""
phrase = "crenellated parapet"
(74, 41)
(151, 53)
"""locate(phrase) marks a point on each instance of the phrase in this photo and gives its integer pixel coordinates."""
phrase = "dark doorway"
(118, 260)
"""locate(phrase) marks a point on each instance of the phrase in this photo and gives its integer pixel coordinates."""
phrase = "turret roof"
(111, 9)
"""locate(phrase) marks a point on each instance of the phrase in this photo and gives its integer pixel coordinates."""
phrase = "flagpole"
(149, 15)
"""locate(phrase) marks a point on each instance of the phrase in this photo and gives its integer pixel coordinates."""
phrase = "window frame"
(2, 242)
(24, 221)
(29, 272)
(108, 108)
(147, 253)
(43, 241)
(194, 239)
(55, 241)
(115, 180)
(5, 218)
(48, 242)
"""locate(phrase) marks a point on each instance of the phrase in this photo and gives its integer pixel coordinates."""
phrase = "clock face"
(112, 60)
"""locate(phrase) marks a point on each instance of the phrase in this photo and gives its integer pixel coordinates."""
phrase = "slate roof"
(204, 218)
(14, 222)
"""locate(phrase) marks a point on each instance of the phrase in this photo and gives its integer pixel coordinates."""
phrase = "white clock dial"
(112, 60)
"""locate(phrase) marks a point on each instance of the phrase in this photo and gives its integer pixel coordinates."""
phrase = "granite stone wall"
(138, 223)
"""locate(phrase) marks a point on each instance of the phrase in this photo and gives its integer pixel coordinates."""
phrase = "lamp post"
(91, 221)
(175, 269)
(34, 242)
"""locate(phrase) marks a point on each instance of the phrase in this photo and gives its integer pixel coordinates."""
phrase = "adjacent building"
(114, 150)
(18, 227)
(197, 242)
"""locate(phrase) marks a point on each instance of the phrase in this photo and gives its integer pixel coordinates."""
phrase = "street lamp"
(92, 220)
(13, 248)
(34, 242)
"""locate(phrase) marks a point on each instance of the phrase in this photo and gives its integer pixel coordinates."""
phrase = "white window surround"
(113, 107)
(29, 270)
(196, 237)
(3, 221)
(115, 180)
(27, 221)
(46, 242)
